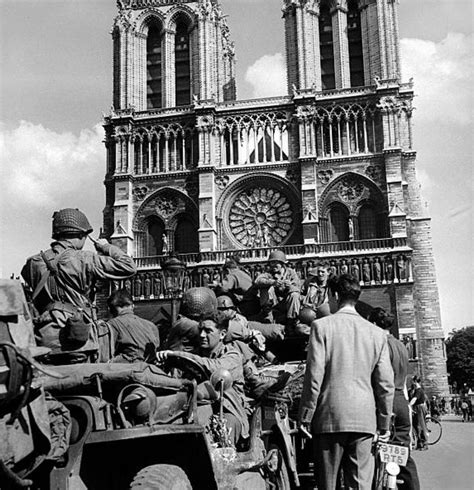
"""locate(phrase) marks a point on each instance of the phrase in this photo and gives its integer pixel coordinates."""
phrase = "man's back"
(349, 373)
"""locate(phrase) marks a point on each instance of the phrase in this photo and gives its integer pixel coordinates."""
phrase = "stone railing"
(308, 251)
(373, 262)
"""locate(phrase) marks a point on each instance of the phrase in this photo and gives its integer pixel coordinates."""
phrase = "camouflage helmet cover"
(70, 221)
(198, 302)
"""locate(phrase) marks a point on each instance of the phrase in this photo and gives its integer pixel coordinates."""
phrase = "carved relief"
(292, 176)
(260, 217)
(221, 181)
(140, 192)
(325, 176)
(374, 172)
(350, 189)
(166, 206)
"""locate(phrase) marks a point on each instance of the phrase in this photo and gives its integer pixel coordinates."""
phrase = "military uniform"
(280, 292)
(63, 283)
(136, 339)
(228, 357)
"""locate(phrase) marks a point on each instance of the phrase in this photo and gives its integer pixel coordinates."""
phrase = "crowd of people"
(355, 373)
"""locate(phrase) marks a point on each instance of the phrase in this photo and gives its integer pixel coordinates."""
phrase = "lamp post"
(174, 274)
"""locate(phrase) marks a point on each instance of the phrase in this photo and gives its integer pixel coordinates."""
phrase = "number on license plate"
(391, 453)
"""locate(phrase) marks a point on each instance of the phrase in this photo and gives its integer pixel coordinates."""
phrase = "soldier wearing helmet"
(238, 285)
(62, 280)
(279, 291)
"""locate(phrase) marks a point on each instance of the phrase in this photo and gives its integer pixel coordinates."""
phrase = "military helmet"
(224, 302)
(277, 256)
(307, 315)
(70, 221)
(198, 302)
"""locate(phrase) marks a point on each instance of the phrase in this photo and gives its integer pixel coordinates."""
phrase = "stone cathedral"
(324, 171)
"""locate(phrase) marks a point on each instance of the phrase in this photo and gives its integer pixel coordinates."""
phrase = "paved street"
(449, 464)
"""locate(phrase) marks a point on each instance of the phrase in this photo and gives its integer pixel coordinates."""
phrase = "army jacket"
(77, 271)
(227, 356)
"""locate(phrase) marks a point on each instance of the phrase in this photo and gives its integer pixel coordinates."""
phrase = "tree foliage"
(460, 357)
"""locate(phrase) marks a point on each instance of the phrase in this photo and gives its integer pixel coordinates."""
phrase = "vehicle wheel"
(434, 429)
(161, 477)
(281, 477)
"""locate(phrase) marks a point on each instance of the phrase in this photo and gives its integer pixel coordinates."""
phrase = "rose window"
(260, 217)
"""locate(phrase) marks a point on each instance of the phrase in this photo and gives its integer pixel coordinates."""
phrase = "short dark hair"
(347, 287)
(119, 299)
(381, 318)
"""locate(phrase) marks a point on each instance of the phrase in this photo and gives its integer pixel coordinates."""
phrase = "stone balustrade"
(373, 262)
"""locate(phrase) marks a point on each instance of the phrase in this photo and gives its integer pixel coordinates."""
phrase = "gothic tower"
(326, 171)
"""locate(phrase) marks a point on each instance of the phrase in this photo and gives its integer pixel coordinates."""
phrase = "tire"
(434, 429)
(281, 478)
(161, 477)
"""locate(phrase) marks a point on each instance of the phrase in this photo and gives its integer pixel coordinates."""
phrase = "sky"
(56, 84)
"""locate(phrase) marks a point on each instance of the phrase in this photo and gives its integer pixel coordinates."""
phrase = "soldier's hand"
(258, 339)
(162, 355)
(102, 245)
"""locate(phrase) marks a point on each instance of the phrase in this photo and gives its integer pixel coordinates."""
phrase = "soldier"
(279, 291)
(317, 293)
(136, 339)
(239, 286)
(63, 283)
(214, 354)
(241, 333)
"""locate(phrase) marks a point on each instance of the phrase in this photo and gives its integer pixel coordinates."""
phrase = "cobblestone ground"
(449, 464)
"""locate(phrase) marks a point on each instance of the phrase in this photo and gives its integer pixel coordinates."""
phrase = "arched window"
(185, 236)
(183, 66)
(354, 34)
(326, 46)
(154, 67)
(154, 237)
(368, 223)
(338, 223)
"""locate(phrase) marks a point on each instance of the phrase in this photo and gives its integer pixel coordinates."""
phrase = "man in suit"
(347, 392)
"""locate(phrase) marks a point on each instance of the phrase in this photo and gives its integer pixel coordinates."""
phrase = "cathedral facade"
(325, 171)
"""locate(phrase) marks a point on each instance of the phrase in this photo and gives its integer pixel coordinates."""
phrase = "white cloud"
(42, 171)
(42, 168)
(267, 76)
(443, 74)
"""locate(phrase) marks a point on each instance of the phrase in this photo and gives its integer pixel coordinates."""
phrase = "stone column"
(169, 69)
(341, 44)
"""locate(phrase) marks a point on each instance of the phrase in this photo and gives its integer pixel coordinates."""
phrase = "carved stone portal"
(350, 189)
(260, 217)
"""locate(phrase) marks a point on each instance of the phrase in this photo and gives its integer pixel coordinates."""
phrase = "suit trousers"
(349, 451)
(401, 435)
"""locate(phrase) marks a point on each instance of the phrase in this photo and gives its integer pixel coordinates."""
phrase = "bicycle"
(434, 431)
(388, 459)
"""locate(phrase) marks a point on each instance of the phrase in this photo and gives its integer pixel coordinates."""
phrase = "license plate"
(391, 453)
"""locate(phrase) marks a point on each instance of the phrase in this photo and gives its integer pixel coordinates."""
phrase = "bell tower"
(338, 44)
(170, 52)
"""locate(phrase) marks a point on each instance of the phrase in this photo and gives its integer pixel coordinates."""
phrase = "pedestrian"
(402, 420)
(418, 404)
(62, 281)
(347, 392)
(464, 409)
(135, 339)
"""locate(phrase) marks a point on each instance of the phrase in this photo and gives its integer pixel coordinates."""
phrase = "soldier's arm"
(264, 280)
(111, 263)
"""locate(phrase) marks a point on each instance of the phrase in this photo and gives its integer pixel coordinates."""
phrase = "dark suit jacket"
(348, 384)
